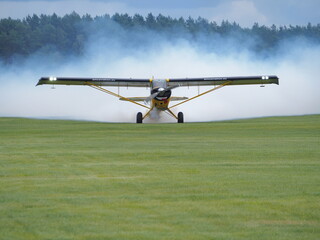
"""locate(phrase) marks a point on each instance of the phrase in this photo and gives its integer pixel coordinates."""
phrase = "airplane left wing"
(112, 82)
(214, 81)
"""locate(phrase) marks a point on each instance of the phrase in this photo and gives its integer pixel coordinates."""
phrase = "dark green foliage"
(68, 35)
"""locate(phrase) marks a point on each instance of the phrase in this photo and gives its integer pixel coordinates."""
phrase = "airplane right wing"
(112, 82)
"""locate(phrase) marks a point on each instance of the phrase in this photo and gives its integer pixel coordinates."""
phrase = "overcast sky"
(245, 12)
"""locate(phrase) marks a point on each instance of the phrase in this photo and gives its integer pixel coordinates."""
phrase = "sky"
(244, 12)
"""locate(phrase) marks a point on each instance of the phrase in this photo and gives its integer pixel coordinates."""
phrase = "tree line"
(69, 34)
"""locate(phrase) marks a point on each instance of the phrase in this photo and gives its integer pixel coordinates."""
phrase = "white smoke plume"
(297, 67)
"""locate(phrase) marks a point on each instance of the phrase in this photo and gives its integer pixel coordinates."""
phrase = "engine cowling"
(161, 94)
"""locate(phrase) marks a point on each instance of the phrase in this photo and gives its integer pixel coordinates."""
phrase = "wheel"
(139, 117)
(180, 117)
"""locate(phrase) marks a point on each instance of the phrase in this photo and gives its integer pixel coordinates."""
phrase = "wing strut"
(114, 94)
(147, 114)
(172, 114)
(216, 88)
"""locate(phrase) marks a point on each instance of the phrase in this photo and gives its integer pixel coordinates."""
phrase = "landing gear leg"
(180, 117)
(139, 117)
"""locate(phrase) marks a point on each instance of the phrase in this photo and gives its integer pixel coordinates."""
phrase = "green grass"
(242, 179)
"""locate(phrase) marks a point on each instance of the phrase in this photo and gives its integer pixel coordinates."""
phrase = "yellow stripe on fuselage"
(161, 105)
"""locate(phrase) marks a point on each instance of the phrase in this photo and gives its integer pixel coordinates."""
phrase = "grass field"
(241, 179)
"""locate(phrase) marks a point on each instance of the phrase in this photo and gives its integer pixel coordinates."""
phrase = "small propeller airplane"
(160, 96)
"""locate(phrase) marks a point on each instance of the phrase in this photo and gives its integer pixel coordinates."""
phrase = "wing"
(212, 81)
(113, 82)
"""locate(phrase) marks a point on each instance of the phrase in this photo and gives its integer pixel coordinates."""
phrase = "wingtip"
(40, 81)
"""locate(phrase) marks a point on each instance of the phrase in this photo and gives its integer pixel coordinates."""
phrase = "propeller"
(159, 91)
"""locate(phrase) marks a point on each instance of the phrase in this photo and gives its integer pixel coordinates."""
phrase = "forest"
(70, 35)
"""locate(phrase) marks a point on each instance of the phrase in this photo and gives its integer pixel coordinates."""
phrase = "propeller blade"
(172, 87)
(148, 99)
(160, 90)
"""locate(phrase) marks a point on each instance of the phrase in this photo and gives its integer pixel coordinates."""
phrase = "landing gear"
(139, 117)
(180, 117)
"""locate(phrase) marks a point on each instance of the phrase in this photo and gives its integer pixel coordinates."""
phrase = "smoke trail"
(297, 68)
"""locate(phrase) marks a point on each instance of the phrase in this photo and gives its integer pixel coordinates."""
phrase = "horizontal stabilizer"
(135, 99)
(178, 98)
(143, 99)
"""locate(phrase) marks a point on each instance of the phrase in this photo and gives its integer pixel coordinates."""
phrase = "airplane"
(160, 94)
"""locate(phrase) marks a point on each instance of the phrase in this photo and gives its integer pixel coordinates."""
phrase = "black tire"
(180, 117)
(139, 117)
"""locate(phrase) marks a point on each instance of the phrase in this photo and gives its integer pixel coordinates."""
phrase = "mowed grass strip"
(241, 179)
